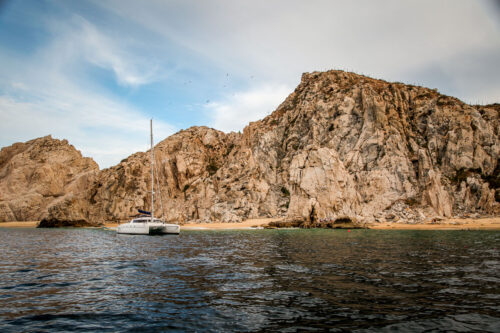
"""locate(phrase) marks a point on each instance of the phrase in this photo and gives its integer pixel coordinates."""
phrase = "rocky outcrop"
(36, 174)
(341, 147)
(58, 223)
(187, 164)
(341, 222)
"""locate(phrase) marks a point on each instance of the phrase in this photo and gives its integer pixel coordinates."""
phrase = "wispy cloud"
(77, 39)
(234, 112)
(102, 51)
(43, 95)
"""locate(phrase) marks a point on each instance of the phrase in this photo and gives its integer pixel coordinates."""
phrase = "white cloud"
(102, 51)
(278, 40)
(44, 95)
(236, 111)
(77, 39)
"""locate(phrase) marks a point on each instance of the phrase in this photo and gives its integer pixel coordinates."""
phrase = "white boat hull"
(148, 228)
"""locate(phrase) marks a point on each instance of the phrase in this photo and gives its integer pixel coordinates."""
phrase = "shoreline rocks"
(55, 223)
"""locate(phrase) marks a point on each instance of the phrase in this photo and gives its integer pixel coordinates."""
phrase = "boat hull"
(148, 229)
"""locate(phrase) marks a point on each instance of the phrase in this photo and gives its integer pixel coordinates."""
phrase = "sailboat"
(148, 224)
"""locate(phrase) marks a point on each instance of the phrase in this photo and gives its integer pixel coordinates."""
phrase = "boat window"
(143, 220)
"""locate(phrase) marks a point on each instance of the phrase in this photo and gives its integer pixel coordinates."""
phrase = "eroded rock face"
(186, 166)
(340, 147)
(409, 152)
(36, 174)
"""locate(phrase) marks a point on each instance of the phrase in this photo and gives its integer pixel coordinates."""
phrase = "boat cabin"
(145, 219)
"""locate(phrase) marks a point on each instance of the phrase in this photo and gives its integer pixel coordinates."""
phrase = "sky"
(95, 72)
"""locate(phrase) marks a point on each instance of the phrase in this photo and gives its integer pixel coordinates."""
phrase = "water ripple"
(251, 281)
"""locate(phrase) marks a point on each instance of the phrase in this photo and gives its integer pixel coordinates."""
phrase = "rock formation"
(40, 173)
(341, 148)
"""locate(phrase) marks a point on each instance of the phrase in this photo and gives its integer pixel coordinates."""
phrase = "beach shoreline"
(486, 223)
(19, 224)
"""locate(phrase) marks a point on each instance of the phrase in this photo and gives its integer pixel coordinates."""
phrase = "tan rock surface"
(36, 174)
(341, 146)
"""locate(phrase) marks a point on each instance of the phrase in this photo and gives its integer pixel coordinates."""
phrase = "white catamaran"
(149, 225)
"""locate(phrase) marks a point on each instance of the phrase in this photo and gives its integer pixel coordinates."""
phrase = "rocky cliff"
(342, 147)
(39, 173)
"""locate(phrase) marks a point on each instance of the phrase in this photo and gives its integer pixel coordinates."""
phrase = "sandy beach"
(247, 224)
(489, 223)
(19, 224)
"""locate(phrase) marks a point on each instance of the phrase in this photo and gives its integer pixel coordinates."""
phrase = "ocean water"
(250, 281)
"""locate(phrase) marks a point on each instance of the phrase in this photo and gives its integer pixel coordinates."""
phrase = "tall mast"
(152, 174)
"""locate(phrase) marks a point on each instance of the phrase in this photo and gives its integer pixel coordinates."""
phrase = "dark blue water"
(256, 280)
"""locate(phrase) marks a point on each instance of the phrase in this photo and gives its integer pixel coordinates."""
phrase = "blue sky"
(95, 72)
